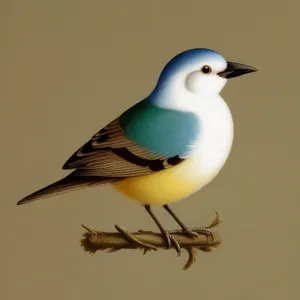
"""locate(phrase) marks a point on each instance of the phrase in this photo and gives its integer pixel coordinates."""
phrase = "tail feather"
(67, 184)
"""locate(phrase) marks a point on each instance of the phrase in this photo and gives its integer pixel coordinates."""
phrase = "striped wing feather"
(110, 153)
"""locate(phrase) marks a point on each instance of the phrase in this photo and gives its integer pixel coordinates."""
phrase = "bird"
(165, 147)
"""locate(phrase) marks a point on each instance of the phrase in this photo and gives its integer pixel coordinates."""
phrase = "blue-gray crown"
(185, 59)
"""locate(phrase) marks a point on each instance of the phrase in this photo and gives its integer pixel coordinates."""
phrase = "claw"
(191, 233)
(176, 246)
(207, 232)
(194, 232)
(170, 240)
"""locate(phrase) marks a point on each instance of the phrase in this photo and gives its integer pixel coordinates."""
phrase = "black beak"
(235, 69)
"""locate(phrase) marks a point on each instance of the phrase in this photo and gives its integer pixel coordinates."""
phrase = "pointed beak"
(235, 69)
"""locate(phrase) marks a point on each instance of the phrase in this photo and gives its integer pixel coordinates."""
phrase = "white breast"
(211, 151)
(213, 148)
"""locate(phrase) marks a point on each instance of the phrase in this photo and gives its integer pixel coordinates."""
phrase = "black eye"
(206, 69)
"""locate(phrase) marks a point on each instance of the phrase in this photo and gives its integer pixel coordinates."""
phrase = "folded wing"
(145, 139)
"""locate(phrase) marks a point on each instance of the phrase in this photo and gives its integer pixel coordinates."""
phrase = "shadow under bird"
(167, 146)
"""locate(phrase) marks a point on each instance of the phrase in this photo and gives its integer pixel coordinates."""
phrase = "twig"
(147, 240)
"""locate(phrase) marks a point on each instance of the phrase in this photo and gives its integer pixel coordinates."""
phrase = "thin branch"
(93, 240)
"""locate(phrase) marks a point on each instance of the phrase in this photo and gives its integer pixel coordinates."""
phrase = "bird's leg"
(168, 238)
(185, 229)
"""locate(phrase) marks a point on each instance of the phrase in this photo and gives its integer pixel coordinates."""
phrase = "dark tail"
(67, 184)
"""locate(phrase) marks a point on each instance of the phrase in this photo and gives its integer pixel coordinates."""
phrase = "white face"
(205, 79)
(194, 85)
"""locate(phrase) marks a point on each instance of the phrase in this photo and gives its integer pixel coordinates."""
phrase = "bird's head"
(200, 71)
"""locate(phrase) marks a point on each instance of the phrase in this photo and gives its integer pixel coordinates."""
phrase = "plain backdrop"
(69, 67)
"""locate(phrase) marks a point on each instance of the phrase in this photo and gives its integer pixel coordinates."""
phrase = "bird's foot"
(195, 231)
(171, 241)
(200, 230)
(133, 239)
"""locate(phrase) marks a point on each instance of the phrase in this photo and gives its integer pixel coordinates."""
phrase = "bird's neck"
(168, 91)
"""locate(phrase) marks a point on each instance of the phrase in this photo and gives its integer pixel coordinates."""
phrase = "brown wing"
(110, 153)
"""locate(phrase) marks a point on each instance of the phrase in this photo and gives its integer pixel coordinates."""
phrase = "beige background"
(70, 67)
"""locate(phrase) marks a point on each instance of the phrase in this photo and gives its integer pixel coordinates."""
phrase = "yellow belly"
(163, 187)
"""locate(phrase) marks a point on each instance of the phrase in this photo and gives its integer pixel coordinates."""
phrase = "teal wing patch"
(161, 131)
